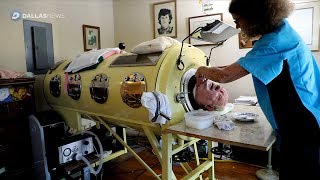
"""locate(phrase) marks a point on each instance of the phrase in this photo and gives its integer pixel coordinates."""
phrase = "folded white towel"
(148, 100)
(246, 100)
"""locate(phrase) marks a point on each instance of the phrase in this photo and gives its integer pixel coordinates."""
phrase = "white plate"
(245, 116)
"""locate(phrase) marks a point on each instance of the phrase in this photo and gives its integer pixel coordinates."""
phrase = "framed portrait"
(91, 37)
(165, 19)
(200, 21)
(305, 20)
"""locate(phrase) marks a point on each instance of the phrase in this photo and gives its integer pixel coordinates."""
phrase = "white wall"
(67, 31)
(134, 24)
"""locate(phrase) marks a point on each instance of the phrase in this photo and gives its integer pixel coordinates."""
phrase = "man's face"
(210, 94)
(165, 21)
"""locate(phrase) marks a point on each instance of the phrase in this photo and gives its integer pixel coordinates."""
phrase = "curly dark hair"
(164, 12)
(261, 16)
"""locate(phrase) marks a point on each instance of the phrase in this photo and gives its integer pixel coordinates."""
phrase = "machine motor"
(74, 145)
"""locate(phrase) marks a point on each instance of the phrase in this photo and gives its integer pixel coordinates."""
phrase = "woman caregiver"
(286, 78)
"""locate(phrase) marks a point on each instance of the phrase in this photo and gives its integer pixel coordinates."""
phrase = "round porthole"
(74, 86)
(55, 85)
(99, 88)
(132, 88)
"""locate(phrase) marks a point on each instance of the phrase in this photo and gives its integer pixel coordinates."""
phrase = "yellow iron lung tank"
(113, 89)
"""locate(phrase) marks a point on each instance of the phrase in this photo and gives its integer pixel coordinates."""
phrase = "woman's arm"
(224, 74)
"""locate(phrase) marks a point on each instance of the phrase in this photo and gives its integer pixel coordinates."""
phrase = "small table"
(257, 135)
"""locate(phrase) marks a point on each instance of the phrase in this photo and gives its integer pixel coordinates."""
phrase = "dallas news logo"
(15, 16)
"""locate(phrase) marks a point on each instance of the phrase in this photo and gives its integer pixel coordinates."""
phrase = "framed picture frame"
(165, 19)
(91, 37)
(200, 21)
(305, 20)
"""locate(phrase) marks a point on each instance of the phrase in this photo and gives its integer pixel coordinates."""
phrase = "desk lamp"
(216, 32)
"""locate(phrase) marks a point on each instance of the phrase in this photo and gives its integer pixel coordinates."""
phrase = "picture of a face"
(210, 94)
(165, 21)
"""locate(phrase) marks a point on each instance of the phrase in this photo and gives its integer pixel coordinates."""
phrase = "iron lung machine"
(110, 92)
(113, 89)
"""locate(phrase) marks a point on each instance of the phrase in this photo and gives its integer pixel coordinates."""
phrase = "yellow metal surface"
(163, 77)
(155, 175)
(169, 150)
(169, 78)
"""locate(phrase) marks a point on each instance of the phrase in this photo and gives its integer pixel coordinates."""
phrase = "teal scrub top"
(265, 62)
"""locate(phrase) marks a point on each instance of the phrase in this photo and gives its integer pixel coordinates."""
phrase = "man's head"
(164, 17)
(210, 95)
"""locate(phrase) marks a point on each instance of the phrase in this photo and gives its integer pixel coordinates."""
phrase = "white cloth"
(225, 125)
(156, 45)
(4, 93)
(89, 58)
(8, 74)
(246, 100)
(149, 101)
(222, 122)
(227, 108)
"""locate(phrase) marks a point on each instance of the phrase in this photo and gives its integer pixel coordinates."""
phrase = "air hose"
(79, 156)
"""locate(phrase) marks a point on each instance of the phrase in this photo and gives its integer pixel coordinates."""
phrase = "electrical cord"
(79, 156)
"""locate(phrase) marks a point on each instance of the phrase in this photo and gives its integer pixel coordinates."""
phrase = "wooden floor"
(128, 168)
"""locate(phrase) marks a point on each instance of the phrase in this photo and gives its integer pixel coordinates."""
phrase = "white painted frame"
(306, 21)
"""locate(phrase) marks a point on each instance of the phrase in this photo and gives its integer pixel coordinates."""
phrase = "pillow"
(156, 45)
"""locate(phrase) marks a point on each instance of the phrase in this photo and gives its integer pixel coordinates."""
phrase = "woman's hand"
(200, 75)
(223, 74)
(200, 79)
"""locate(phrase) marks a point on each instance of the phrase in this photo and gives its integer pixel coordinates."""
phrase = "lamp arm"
(179, 61)
(217, 45)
